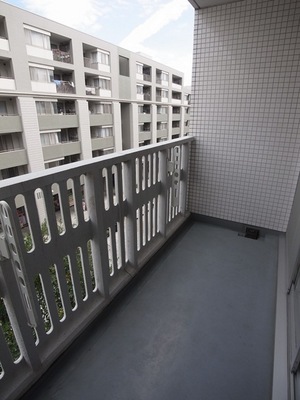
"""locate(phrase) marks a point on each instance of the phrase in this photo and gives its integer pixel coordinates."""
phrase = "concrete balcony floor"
(197, 323)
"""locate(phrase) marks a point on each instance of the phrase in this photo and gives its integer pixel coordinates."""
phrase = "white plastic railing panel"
(90, 226)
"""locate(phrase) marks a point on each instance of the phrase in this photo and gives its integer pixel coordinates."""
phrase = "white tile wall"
(246, 112)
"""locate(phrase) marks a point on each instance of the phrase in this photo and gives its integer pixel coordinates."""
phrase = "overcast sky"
(161, 29)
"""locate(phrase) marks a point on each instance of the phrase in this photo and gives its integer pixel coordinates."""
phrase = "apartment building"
(66, 96)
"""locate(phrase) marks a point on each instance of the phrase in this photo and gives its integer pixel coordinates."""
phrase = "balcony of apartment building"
(7, 81)
(162, 77)
(175, 128)
(143, 72)
(4, 44)
(56, 114)
(100, 113)
(64, 81)
(10, 121)
(42, 78)
(176, 97)
(96, 85)
(144, 131)
(102, 138)
(162, 130)
(57, 144)
(144, 115)
(162, 95)
(97, 59)
(176, 113)
(143, 92)
(61, 48)
(176, 82)
(162, 113)
(12, 151)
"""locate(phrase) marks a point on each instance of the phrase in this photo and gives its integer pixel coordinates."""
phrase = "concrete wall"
(245, 112)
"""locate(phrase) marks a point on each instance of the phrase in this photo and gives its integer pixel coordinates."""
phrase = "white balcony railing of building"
(75, 256)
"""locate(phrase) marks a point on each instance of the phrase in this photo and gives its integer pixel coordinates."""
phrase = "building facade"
(66, 96)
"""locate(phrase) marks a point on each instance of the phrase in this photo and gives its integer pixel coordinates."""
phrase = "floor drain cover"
(252, 233)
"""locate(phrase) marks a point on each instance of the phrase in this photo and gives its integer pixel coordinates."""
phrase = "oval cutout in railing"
(42, 213)
(59, 215)
(24, 222)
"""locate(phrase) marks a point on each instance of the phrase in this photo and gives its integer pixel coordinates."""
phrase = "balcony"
(7, 81)
(4, 44)
(176, 82)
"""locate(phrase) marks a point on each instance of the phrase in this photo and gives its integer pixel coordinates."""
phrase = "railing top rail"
(11, 187)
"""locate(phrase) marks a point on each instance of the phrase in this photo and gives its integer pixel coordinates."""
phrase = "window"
(164, 93)
(49, 138)
(103, 108)
(101, 57)
(124, 66)
(11, 142)
(162, 110)
(46, 107)
(162, 125)
(37, 38)
(139, 89)
(139, 69)
(144, 109)
(164, 76)
(101, 132)
(14, 171)
(41, 74)
(104, 83)
(3, 108)
(145, 127)
(68, 135)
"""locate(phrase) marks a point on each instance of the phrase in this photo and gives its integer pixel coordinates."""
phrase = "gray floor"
(198, 324)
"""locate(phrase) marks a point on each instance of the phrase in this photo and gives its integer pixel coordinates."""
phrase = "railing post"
(95, 205)
(185, 150)
(162, 198)
(131, 197)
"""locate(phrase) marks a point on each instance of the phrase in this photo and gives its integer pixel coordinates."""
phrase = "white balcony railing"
(108, 216)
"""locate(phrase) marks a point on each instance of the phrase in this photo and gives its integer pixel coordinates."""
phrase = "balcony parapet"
(57, 121)
(10, 124)
(4, 44)
(111, 229)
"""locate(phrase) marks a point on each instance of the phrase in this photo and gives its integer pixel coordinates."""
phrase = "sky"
(160, 29)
